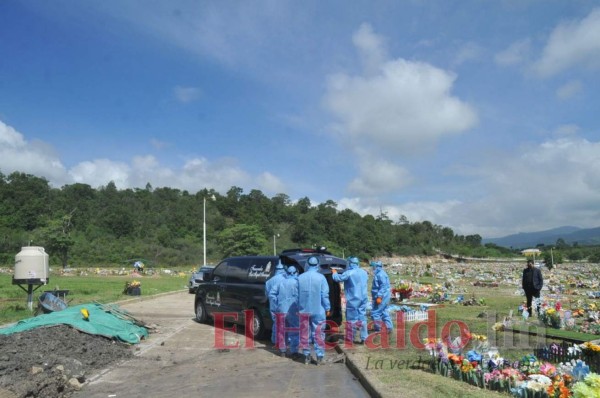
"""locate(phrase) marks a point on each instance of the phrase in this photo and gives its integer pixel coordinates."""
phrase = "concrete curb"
(143, 298)
(367, 384)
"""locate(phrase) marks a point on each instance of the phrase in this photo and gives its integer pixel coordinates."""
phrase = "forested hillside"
(83, 226)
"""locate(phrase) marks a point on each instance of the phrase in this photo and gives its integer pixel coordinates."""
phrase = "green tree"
(242, 239)
(473, 240)
(561, 244)
(552, 258)
(594, 257)
(24, 201)
(575, 255)
(57, 236)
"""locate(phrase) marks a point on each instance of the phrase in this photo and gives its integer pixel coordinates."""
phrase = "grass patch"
(552, 333)
(82, 289)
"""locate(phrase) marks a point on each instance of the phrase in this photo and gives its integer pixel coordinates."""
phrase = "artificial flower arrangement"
(413, 289)
(132, 288)
(588, 387)
(584, 318)
(460, 299)
(528, 378)
(403, 290)
(439, 294)
(420, 290)
(591, 348)
(551, 317)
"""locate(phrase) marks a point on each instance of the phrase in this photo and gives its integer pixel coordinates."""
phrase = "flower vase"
(134, 291)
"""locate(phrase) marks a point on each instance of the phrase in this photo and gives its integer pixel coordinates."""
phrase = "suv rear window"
(237, 270)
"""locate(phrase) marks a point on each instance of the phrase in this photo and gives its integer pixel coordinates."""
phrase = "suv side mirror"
(216, 279)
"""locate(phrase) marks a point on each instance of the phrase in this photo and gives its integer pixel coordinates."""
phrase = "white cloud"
(17, 154)
(515, 54)
(238, 34)
(379, 176)
(101, 171)
(404, 108)
(221, 175)
(38, 158)
(569, 90)
(186, 94)
(542, 186)
(9, 137)
(547, 185)
(270, 183)
(571, 44)
(467, 52)
(371, 48)
(421, 211)
(194, 175)
(414, 211)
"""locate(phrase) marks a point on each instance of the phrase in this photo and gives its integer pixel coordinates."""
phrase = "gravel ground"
(53, 361)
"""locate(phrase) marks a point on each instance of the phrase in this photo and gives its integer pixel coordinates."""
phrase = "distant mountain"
(583, 236)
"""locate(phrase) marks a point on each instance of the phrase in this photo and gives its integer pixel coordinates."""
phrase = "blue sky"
(477, 115)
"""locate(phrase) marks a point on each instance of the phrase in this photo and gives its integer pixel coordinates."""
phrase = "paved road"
(180, 360)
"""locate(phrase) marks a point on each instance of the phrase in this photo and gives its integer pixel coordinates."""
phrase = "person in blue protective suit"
(380, 293)
(275, 280)
(355, 289)
(313, 303)
(285, 294)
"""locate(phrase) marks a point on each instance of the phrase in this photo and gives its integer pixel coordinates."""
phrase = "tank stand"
(30, 291)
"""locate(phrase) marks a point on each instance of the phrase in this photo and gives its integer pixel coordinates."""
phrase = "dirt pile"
(54, 361)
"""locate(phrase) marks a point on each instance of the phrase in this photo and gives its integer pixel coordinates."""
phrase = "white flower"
(534, 385)
(566, 368)
(574, 350)
(543, 380)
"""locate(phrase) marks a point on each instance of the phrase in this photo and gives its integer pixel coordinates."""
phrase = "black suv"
(238, 283)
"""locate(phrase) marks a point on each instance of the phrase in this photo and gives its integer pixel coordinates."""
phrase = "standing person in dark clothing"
(532, 283)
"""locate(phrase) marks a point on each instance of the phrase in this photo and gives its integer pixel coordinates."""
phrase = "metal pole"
(30, 297)
(274, 245)
(552, 257)
(204, 228)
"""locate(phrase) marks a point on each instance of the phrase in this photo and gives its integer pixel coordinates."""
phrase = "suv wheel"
(258, 326)
(200, 312)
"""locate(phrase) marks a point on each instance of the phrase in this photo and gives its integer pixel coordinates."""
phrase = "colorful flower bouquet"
(460, 299)
(438, 294)
(591, 348)
(482, 366)
(550, 317)
(133, 288)
(402, 290)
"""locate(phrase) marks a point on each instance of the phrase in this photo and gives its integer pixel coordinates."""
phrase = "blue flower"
(580, 370)
(518, 392)
(473, 356)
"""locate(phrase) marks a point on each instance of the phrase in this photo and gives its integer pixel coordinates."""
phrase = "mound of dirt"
(54, 361)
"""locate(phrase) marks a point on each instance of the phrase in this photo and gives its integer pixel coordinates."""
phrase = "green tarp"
(108, 321)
